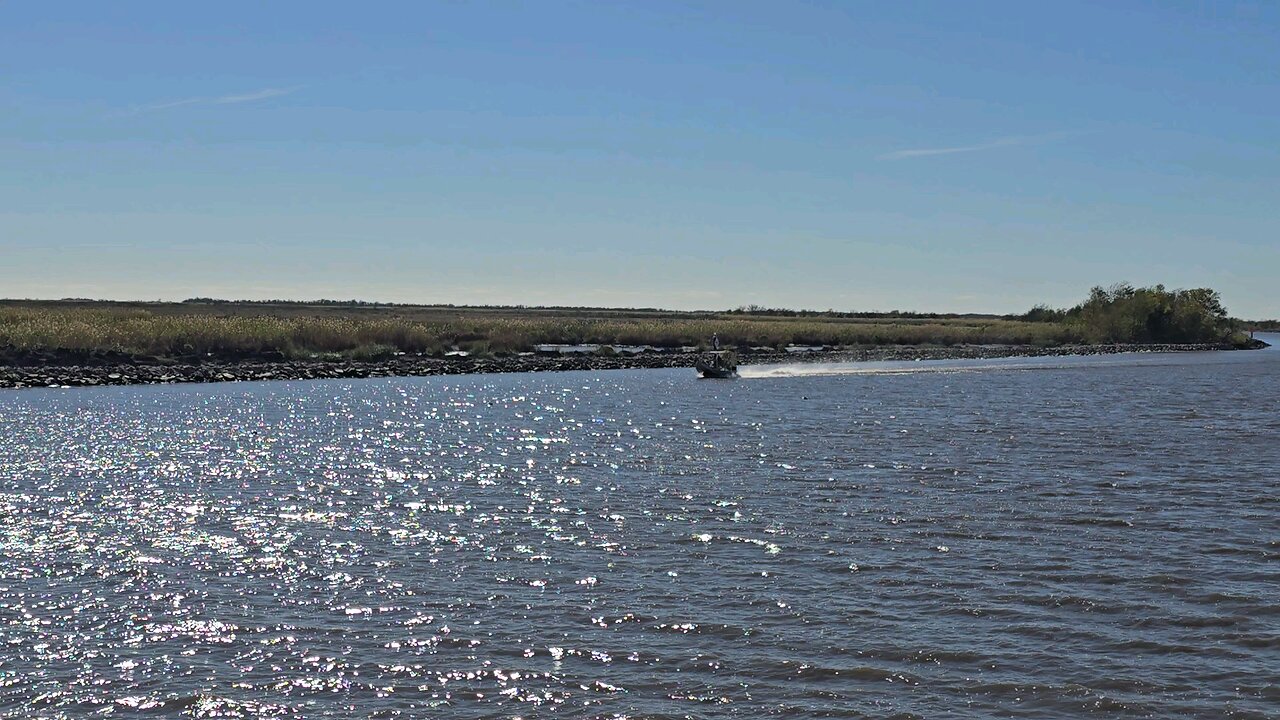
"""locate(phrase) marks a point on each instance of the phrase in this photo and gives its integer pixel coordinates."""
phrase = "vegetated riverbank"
(192, 332)
(95, 369)
(183, 331)
(84, 342)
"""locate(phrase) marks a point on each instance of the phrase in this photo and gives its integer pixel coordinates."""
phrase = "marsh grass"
(180, 331)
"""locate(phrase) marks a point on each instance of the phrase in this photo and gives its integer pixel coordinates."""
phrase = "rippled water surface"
(1055, 538)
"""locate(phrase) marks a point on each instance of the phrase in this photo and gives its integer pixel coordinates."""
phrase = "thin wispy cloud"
(250, 97)
(997, 143)
(262, 94)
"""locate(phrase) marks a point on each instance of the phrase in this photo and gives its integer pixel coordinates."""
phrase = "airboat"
(717, 364)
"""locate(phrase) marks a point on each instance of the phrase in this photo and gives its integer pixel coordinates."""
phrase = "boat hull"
(719, 365)
(718, 374)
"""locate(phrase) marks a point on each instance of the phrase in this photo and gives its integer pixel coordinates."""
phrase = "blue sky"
(939, 156)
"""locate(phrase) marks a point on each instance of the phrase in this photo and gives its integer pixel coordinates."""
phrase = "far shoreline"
(151, 371)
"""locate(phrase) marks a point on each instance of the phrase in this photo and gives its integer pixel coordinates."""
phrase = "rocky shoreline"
(95, 369)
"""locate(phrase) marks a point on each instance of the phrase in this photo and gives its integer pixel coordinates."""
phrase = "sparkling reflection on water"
(1054, 539)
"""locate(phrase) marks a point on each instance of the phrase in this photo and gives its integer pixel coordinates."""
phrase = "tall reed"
(174, 334)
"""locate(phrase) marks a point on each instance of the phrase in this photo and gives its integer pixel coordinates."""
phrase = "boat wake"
(827, 369)
(907, 367)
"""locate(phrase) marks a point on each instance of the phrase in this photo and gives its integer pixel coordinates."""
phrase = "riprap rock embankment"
(21, 369)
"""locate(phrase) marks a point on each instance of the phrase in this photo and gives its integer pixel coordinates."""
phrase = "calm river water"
(1062, 537)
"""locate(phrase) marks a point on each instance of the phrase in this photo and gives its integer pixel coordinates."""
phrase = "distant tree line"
(323, 301)
(1124, 313)
(368, 303)
(861, 314)
(741, 310)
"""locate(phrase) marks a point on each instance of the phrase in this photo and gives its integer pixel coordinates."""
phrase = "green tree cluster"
(1123, 313)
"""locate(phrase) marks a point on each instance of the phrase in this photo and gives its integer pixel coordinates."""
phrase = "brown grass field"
(299, 330)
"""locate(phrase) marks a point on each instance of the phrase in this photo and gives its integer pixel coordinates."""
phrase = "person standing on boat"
(715, 341)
